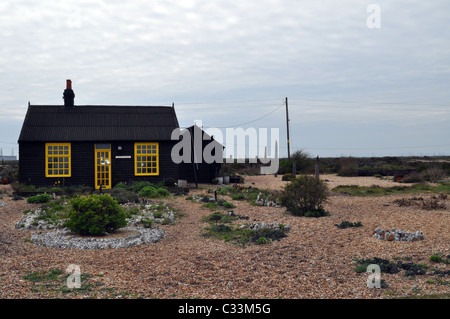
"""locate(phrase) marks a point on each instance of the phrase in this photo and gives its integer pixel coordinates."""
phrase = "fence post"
(317, 167)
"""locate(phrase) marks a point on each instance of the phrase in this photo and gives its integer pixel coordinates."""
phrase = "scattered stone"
(32, 220)
(233, 214)
(64, 239)
(263, 200)
(397, 235)
(61, 237)
(3, 204)
(263, 225)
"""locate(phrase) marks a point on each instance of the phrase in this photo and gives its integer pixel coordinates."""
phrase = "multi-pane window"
(146, 158)
(57, 160)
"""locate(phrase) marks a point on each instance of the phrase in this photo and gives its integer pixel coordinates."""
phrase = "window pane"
(66, 172)
(66, 159)
(102, 146)
(138, 170)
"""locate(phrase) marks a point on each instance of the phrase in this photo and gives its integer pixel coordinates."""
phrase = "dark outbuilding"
(99, 145)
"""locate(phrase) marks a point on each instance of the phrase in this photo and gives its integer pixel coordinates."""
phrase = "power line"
(319, 105)
(255, 120)
(374, 148)
(376, 108)
(371, 102)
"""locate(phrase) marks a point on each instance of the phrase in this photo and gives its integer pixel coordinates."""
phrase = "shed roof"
(47, 123)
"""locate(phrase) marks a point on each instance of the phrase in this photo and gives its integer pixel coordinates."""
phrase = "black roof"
(55, 123)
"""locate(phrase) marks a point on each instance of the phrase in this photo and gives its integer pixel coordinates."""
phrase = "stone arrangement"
(396, 235)
(57, 236)
(147, 214)
(32, 220)
(263, 200)
(64, 239)
(263, 225)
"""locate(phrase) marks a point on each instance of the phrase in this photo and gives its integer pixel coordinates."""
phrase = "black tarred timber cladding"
(84, 126)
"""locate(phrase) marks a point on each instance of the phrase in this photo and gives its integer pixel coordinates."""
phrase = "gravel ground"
(314, 261)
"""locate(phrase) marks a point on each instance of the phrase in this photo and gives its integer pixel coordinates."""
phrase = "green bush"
(228, 205)
(153, 192)
(137, 187)
(42, 198)
(304, 196)
(162, 192)
(262, 241)
(95, 215)
(238, 197)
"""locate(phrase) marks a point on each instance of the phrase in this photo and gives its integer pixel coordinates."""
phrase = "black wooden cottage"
(100, 146)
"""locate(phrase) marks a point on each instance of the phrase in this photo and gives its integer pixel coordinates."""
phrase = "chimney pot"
(68, 94)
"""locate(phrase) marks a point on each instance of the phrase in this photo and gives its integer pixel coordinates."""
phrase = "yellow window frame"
(146, 159)
(58, 161)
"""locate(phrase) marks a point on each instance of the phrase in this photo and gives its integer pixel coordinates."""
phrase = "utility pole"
(287, 126)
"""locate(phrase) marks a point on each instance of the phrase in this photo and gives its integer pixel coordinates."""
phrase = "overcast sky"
(351, 89)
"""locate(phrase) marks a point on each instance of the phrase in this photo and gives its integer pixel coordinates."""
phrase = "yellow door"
(103, 166)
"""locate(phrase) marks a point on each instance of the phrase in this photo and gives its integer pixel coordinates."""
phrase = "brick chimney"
(68, 94)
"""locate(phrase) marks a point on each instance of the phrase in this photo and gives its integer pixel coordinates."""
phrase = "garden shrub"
(42, 198)
(121, 185)
(262, 241)
(238, 197)
(137, 187)
(95, 215)
(304, 196)
(153, 192)
(148, 191)
(228, 205)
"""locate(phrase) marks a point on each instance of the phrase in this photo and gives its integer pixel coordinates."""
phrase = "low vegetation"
(42, 198)
(390, 267)
(427, 203)
(346, 224)
(376, 190)
(305, 196)
(95, 215)
(221, 227)
(52, 283)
